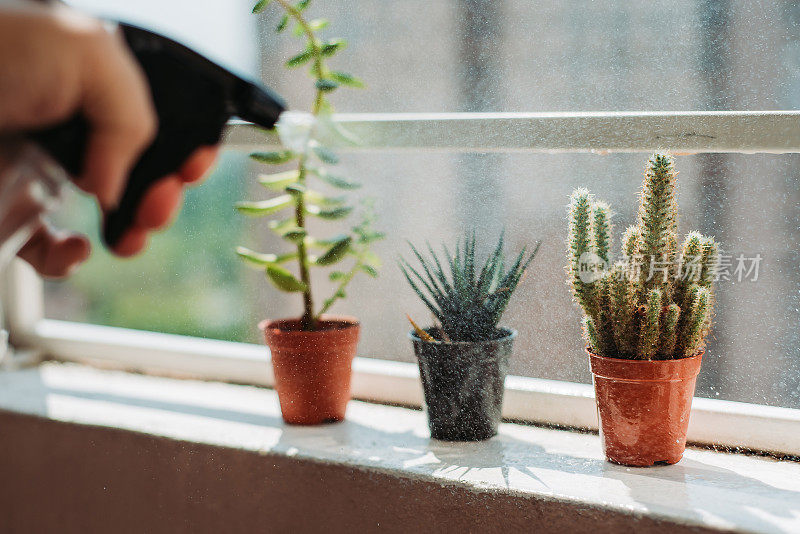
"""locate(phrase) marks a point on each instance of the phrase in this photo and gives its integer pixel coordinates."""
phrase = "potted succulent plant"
(463, 358)
(645, 320)
(311, 354)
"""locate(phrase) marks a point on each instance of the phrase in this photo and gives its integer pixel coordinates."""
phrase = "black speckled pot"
(463, 385)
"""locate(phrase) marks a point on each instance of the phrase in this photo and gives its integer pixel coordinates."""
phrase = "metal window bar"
(682, 132)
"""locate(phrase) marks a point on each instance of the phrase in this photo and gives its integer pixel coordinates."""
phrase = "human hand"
(55, 63)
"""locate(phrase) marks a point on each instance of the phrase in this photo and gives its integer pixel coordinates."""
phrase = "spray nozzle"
(295, 130)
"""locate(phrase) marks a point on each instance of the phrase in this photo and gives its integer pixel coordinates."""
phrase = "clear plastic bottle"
(31, 185)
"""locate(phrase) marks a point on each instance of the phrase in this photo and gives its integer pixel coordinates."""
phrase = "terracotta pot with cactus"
(646, 317)
(463, 357)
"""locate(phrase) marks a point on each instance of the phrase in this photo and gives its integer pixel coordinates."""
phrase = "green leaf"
(335, 181)
(264, 207)
(331, 214)
(324, 243)
(325, 85)
(345, 78)
(283, 279)
(272, 158)
(295, 189)
(288, 230)
(341, 183)
(438, 270)
(299, 59)
(294, 234)
(405, 270)
(258, 259)
(321, 200)
(325, 154)
(279, 226)
(314, 25)
(335, 253)
(369, 237)
(370, 270)
(302, 5)
(329, 48)
(282, 24)
(278, 181)
(336, 275)
(260, 5)
(317, 24)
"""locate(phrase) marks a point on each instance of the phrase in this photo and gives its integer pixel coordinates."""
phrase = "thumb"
(54, 254)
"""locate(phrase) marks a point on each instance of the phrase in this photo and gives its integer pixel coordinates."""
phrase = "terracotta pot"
(312, 369)
(643, 407)
(464, 384)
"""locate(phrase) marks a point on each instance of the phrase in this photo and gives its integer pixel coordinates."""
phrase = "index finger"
(198, 163)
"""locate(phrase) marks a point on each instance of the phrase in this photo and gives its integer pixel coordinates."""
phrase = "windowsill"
(707, 488)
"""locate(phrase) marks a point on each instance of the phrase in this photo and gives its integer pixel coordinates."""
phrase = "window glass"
(515, 55)
(480, 55)
(190, 281)
(472, 55)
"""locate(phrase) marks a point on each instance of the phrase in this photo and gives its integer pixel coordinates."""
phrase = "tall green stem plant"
(296, 194)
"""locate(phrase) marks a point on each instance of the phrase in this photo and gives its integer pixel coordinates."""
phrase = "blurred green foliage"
(188, 281)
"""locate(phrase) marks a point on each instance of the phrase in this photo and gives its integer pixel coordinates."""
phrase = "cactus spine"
(656, 303)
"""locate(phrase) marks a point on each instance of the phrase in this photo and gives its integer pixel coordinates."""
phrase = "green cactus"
(658, 218)
(625, 306)
(669, 336)
(580, 243)
(650, 326)
(657, 303)
(696, 325)
(630, 241)
(589, 332)
(604, 322)
(602, 229)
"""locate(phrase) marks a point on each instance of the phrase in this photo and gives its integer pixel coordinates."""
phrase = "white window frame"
(715, 422)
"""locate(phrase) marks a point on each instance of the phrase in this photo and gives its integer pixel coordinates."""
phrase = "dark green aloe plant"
(469, 301)
(656, 303)
(297, 194)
